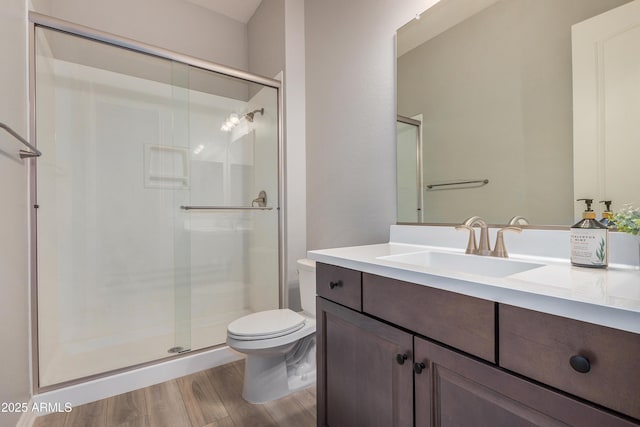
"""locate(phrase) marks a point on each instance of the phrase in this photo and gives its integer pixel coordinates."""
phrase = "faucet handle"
(518, 219)
(500, 250)
(472, 247)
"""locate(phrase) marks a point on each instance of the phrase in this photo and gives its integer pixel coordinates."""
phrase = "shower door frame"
(48, 22)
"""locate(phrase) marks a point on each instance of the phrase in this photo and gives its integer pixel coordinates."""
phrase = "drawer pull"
(335, 284)
(400, 358)
(580, 364)
(418, 367)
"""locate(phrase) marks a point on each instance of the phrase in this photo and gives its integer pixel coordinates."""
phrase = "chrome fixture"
(472, 246)
(234, 120)
(500, 250)
(257, 204)
(481, 182)
(518, 219)
(249, 116)
(483, 247)
(23, 153)
(261, 200)
(226, 208)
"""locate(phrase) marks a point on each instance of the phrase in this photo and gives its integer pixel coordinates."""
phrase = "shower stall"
(156, 203)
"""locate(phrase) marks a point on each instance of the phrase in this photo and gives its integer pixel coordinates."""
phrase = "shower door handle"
(226, 208)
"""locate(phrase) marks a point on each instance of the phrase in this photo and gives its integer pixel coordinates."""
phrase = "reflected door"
(409, 170)
(606, 104)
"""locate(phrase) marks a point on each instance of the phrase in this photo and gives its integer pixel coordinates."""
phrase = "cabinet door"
(455, 390)
(365, 375)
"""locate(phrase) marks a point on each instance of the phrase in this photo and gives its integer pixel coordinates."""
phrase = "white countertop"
(608, 297)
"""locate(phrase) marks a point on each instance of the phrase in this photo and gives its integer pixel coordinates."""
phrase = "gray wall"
(14, 285)
(175, 25)
(350, 62)
(266, 39)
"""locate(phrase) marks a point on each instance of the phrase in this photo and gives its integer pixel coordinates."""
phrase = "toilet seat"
(265, 325)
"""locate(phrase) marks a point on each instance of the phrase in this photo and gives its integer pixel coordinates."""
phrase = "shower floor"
(212, 309)
(68, 365)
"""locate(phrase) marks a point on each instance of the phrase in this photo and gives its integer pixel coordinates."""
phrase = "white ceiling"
(240, 10)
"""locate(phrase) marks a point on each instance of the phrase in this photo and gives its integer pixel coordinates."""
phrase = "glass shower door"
(234, 233)
(126, 273)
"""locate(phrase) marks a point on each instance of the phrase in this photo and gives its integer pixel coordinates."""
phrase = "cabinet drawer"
(541, 346)
(340, 285)
(455, 390)
(463, 322)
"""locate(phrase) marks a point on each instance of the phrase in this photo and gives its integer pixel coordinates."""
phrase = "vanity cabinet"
(365, 370)
(412, 355)
(594, 362)
(456, 390)
(341, 285)
(460, 321)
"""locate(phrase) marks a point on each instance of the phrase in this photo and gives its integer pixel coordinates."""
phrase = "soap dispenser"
(607, 216)
(589, 240)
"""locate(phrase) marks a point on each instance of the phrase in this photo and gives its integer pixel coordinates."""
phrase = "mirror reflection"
(491, 83)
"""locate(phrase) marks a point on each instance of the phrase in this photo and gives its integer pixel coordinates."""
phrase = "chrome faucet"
(500, 249)
(483, 247)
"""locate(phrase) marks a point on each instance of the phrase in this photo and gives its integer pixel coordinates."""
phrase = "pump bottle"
(607, 216)
(589, 240)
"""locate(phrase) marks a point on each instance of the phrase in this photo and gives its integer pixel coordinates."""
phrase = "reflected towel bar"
(477, 181)
(23, 153)
(226, 208)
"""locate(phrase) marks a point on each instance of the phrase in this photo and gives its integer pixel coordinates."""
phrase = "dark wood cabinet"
(455, 390)
(365, 370)
(392, 353)
(544, 347)
(461, 321)
(340, 285)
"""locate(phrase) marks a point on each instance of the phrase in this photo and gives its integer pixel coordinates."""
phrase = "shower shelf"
(227, 208)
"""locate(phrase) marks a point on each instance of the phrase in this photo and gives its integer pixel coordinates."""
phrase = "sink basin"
(463, 263)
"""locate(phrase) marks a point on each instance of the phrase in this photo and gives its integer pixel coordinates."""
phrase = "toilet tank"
(307, 275)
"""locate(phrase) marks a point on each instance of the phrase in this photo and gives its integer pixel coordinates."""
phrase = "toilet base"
(267, 379)
(270, 376)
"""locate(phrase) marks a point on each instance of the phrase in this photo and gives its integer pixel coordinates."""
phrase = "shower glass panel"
(127, 272)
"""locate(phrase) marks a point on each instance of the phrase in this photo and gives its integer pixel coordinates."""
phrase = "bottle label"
(589, 247)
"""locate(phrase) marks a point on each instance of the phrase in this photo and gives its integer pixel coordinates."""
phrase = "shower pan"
(147, 237)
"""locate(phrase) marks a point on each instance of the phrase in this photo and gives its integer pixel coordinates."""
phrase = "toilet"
(280, 345)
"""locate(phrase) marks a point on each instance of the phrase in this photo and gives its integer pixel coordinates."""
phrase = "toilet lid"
(265, 325)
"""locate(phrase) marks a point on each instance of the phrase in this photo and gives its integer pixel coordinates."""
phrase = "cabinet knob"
(400, 358)
(418, 367)
(335, 284)
(580, 364)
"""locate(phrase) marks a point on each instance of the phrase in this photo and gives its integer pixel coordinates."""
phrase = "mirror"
(491, 84)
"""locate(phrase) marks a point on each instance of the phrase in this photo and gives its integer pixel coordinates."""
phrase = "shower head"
(249, 115)
(234, 120)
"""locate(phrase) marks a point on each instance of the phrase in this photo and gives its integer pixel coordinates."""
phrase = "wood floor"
(209, 398)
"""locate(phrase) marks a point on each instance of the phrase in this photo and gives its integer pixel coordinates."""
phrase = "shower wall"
(124, 274)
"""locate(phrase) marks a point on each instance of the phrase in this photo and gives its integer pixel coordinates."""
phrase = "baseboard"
(68, 397)
(28, 418)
